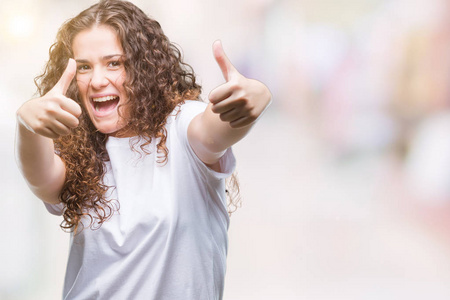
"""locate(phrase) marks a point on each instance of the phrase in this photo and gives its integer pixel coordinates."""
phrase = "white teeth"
(103, 99)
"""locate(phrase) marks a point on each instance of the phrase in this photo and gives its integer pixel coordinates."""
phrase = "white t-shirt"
(169, 239)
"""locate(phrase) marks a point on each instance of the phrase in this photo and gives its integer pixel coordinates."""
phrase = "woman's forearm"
(42, 169)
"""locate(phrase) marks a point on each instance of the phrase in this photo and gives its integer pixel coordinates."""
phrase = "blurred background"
(345, 181)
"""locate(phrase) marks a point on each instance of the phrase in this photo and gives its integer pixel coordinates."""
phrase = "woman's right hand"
(53, 114)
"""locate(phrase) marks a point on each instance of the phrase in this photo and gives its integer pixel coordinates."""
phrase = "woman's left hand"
(240, 101)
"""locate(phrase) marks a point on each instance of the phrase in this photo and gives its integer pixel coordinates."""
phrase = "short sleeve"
(186, 113)
(54, 209)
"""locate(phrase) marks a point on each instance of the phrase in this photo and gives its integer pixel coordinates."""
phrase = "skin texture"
(38, 121)
(100, 73)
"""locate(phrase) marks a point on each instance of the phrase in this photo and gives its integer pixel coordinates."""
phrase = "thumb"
(227, 68)
(66, 78)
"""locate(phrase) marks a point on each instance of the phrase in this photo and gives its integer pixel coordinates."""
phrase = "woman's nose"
(98, 79)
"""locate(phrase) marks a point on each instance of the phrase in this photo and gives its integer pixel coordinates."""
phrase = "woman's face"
(100, 77)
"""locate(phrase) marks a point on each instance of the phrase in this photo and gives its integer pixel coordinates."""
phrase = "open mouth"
(105, 104)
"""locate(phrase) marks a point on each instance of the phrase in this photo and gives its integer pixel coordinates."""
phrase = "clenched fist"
(240, 100)
(53, 114)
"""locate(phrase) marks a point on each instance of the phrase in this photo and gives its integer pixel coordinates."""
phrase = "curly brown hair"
(157, 81)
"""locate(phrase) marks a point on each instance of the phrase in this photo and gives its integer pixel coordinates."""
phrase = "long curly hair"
(157, 80)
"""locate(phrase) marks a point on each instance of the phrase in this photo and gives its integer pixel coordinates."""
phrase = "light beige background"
(346, 179)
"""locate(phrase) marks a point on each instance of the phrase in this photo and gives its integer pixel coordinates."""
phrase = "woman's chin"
(108, 130)
(117, 132)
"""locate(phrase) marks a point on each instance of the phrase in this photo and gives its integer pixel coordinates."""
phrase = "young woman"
(120, 146)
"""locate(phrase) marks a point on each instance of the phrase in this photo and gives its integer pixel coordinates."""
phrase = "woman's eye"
(83, 67)
(114, 63)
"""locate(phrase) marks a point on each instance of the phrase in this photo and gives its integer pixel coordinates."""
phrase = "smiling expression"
(100, 77)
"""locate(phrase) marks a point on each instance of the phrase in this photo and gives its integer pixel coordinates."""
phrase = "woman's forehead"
(98, 41)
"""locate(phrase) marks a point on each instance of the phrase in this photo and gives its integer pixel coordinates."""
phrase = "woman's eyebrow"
(111, 56)
(106, 57)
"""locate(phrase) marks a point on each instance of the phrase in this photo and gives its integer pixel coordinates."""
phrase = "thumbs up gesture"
(53, 114)
(240, 100)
